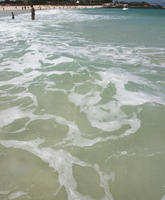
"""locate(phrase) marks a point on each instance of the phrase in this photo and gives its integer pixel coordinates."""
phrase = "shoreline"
(50, 7)
(46, 7)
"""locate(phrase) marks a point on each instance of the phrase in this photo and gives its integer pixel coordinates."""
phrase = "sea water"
(82, 105)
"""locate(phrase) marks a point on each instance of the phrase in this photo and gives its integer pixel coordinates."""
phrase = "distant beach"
(46, 7)
(9, 7)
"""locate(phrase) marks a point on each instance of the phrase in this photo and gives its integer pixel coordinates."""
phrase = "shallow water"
(82, 105)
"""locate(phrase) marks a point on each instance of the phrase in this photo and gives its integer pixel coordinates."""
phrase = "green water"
(82, 105)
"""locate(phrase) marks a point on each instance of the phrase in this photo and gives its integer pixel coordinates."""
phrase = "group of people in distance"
(32, 13)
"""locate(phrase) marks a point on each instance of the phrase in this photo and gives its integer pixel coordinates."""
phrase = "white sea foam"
(104, 178)
(157, 153)
(61, 161)
(21, 80)
(69, 15)
(62, 60)
(9, 115)
(119, 154)
(16, 195)
(109, 116)
(123, 153)
(163, 198)
(74, 136)
(28, 31)
(104, 120)
(125, 97)
(3, 192)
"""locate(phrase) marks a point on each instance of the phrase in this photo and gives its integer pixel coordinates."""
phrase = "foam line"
(16, 195)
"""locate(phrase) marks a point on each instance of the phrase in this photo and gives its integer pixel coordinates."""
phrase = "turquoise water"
(82, 105)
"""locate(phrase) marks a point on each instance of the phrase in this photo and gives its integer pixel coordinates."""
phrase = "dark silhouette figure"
(12, 15)
(32, 12)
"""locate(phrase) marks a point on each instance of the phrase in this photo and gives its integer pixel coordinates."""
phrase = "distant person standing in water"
(32, 12)
(12, 15)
